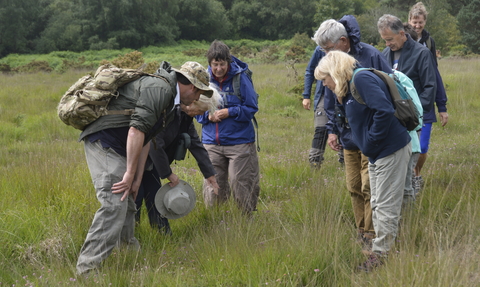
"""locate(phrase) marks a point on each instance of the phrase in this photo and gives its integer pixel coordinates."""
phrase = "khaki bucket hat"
(197, 75)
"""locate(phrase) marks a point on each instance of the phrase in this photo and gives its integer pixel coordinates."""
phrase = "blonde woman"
(380, 136)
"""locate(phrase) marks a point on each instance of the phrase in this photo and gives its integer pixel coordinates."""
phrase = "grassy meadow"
(302, 235)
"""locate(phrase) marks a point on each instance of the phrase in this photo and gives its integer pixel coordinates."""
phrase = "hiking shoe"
(373, 261)
(359, 239)
(341, 158)
(315, 165)
(367, 243)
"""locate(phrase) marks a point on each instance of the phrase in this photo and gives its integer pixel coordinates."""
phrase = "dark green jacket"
(152, 100)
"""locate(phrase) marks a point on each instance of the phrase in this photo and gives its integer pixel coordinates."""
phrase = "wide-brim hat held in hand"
(175, 202)
(197, 75)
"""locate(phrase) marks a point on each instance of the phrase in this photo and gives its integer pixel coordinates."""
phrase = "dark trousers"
(147, 191)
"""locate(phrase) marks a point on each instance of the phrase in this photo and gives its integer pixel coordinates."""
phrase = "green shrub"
(296, 53)
(5, 68)
(34, 66)
(197, 52)
(303, 40)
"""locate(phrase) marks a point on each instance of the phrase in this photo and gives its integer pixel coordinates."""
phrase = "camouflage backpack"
(87, 99)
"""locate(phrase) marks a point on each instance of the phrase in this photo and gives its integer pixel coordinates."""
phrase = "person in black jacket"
(414, 60)
(417, 18)
(163, 153)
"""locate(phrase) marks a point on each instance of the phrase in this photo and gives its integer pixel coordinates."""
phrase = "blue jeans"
(147, 192)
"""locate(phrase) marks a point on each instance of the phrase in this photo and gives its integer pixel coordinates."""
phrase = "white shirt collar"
(177, 97)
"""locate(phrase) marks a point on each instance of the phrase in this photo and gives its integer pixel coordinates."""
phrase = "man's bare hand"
(443, 118)
(124, 186)
(306, 104)
(174, 180)
(332, 142)
(212, 181)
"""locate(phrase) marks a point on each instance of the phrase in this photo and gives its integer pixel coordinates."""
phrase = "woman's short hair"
(418, 10)
(338, 65)
(219, 51)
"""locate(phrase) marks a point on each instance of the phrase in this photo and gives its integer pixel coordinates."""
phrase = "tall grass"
(302, 235)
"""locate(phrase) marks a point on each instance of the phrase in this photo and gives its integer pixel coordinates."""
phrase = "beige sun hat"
(175, 202)
(197, 75)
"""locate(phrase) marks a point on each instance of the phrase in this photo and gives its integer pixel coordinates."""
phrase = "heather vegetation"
(303, 233)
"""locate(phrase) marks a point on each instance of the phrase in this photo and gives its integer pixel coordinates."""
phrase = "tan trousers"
(358, 184)
(237, 170)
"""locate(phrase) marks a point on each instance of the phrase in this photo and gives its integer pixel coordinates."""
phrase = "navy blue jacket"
(376, 130)
(417, 62)
(310, 77)
(368, 57)
(440, 95)
(238, 127)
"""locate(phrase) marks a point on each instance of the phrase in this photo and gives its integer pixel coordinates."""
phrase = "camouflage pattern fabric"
(87, 99)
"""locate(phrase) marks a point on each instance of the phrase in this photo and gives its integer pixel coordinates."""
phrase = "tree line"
(43, 26)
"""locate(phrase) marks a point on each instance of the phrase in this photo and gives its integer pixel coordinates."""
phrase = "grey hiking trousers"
(114, 221)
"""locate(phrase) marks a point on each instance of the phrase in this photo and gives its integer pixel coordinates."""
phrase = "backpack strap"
(236, 92)
(236, 86)
(390, 83)
(428, 43)
(353, 89)
(386, 78)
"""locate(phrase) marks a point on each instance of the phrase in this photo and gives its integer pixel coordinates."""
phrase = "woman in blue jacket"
(228, 134)
(380, 136)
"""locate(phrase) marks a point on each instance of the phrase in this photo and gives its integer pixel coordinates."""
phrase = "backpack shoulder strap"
(236, 86)
(236, 82)
(428, 43)
(353, 89)
(236, 92)
(389, 80)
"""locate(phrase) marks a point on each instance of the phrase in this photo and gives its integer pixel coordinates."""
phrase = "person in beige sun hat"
(117, 146)
(197, 75)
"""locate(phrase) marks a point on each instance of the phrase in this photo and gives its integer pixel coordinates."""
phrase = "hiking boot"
(359, 238)
(315, 157)
(341, 158)
(315, 165)
(373, 261)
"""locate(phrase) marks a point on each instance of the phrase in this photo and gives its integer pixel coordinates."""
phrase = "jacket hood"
(353, 32)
